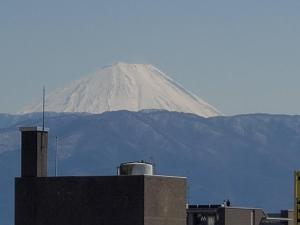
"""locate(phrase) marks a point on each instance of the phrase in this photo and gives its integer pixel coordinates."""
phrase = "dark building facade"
(97, 200)
(34, 144)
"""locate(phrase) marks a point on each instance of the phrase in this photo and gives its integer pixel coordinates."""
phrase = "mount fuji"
(132, 87)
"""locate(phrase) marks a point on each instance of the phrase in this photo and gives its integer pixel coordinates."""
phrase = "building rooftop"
(35, 128)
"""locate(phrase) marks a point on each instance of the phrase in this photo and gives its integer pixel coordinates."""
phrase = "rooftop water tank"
(136, 168)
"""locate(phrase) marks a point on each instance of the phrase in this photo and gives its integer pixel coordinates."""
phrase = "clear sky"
(240, 56)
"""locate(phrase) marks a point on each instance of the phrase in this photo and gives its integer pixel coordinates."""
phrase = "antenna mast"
(56, 140)
(43, 108)
(42, 134)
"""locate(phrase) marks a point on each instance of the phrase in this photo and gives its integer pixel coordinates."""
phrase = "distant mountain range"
(248, 159)
(123, 86)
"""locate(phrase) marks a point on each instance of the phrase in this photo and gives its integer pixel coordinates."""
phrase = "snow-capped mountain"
(122, 86)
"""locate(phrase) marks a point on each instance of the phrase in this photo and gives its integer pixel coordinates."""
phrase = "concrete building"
(228, 215)
(223, 215)
(285, 217)
(109, 200)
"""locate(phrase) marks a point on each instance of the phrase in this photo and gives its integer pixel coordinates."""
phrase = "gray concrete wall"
(237, 217)
(165, 200)
(243, 216)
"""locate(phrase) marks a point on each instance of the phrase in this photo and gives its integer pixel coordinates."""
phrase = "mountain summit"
(122, 86)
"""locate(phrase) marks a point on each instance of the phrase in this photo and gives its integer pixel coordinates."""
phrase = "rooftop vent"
(135, 168)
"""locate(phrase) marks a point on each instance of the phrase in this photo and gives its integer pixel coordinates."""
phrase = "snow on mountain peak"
(123, 86)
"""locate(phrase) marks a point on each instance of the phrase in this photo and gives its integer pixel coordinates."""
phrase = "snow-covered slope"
(122, 86)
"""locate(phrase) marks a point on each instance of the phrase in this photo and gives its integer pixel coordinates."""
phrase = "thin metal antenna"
(56, 149)
(43, 108)
(43, 131)
(187, 194)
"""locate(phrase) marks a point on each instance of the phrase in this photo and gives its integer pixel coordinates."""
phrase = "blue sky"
(240, 56)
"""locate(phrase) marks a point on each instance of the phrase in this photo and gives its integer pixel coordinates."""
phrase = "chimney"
(34, 148)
